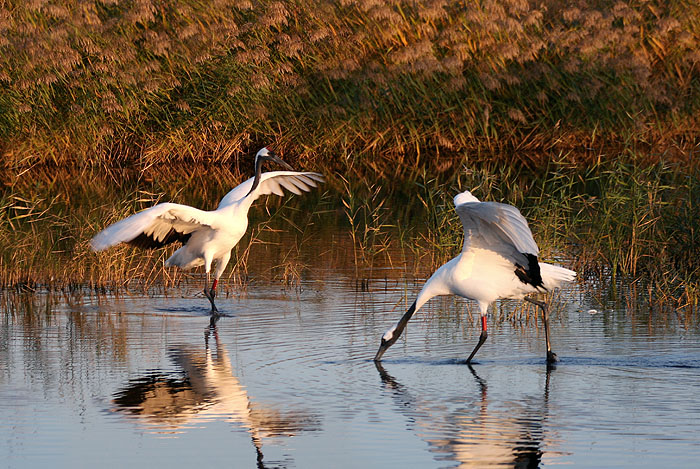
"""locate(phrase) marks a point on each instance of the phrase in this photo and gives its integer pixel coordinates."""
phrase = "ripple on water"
(288, 378)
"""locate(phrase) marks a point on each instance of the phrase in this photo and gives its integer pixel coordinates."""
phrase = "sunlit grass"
(357, 85)
(47, 220)
(616, 223)
(612, 221)
(609, 221)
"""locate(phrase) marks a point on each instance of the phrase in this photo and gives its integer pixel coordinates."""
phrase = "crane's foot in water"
(551, 357)
(482, 339)
(213, 319)
(210, 294)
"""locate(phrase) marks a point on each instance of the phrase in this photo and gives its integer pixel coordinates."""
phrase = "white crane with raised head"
(207, 236)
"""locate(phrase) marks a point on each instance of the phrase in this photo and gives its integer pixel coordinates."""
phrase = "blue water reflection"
(287, 380)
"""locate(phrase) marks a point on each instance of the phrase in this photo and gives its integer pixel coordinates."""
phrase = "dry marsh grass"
(47, 219)
(615, 222)
(373, 84)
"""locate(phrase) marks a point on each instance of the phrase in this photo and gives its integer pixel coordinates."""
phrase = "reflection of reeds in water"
(383, 83)
(35, 317)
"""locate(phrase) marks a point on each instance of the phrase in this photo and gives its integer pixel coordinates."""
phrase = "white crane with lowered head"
(207, 236)
(498, 260)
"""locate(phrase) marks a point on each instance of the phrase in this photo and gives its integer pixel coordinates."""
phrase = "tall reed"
(353, 84)
(613, 221)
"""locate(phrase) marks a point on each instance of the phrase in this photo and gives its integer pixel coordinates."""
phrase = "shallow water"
(287, 380)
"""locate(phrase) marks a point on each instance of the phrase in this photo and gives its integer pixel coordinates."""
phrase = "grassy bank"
(355, 84)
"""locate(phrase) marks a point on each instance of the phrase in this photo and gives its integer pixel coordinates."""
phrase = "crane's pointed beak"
(276, 159)
(382, 348)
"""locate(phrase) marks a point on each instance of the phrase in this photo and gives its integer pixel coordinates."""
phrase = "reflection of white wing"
(273, 182)
(155, 226)
(495, 226)
(473, 432)
(210, 391)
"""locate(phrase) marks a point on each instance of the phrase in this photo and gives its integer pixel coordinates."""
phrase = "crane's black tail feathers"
(530, 275)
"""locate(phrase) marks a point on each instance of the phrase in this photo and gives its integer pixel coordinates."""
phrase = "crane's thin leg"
(482, 339)
(210, 294)
(551, 356)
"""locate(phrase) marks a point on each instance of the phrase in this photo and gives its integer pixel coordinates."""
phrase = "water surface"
(287, 380)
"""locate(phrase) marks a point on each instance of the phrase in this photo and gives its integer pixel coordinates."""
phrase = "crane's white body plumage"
(207, 235)
(497, 239)
(485, 276)
(498, 260)
(213, 234)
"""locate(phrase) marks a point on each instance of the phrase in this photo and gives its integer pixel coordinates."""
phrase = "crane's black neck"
(403, 321)
(258, 172)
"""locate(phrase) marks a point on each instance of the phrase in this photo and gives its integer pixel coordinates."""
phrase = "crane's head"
(388, 340)
(464, 197)
(266, 155)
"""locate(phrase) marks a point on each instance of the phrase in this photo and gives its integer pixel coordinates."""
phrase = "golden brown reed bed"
(614, 222)
(362, 84)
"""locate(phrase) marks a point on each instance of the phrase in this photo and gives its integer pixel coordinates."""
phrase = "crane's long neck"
(433, 287)
(438, 284)
(258, 172)
(401, 325)
(393, 334)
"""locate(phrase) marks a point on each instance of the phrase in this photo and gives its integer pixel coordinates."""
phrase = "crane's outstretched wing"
(273, 182)
(154, 227)
(501, 228)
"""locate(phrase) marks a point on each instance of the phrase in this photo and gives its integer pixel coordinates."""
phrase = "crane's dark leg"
(482, 339)
(210, 294)
(551, 356)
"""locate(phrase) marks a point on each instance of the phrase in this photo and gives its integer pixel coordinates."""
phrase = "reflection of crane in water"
(209, 391)
(487, 437)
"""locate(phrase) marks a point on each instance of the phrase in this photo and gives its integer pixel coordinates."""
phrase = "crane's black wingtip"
(145, 241)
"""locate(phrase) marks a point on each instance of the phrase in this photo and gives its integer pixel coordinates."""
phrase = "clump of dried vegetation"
(48, 218)
(614, 222)
(374, 84)
(583, 113)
